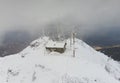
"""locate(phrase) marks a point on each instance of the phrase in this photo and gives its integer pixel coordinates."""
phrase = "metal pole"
(73, 44)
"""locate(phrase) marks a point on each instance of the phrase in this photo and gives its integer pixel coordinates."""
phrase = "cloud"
(90, 15)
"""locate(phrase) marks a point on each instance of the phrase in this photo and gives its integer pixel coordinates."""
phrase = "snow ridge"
(37, 65)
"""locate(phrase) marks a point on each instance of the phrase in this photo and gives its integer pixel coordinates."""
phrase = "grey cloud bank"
(90, 15)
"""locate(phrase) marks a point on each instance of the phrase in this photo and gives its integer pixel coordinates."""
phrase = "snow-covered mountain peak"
(36, 64)
(82, 50)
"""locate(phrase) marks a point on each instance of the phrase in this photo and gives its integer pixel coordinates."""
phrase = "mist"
(34, 16)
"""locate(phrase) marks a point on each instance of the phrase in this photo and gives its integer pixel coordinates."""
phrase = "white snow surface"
(36, 65)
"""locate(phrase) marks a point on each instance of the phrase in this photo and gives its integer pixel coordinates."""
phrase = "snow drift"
(36, 65)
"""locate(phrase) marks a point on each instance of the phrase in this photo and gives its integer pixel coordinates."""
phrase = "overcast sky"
(31, 14)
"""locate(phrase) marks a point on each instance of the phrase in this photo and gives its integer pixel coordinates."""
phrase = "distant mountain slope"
(104, 37)
(36, 65)
(111, 51)
(14, 42)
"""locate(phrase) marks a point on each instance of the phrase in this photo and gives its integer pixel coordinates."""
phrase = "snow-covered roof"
(55, 44)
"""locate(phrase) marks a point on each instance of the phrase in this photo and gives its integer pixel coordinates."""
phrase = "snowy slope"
(36, 65)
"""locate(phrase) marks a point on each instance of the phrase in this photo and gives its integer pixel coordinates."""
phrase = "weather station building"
(56, 46)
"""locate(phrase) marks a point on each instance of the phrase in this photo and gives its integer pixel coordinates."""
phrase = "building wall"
(60, 50)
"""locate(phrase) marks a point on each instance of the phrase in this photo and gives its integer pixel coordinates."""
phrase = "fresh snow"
(36, 65)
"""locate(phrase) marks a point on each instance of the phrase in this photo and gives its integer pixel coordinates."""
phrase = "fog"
(88, 16)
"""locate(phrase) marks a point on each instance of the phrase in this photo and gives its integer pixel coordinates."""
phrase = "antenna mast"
(73, 44)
